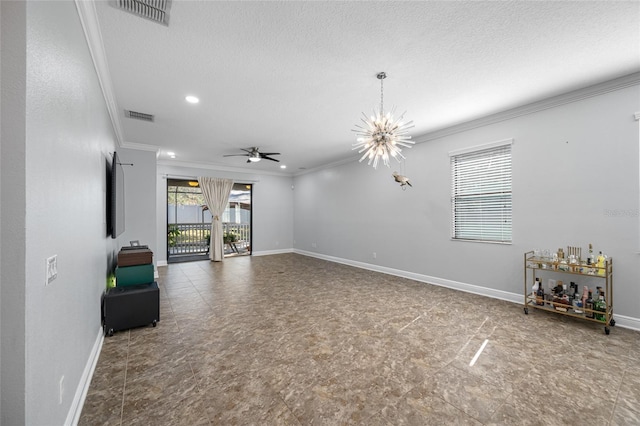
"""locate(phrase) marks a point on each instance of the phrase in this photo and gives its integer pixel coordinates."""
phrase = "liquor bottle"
(576, 301)
(536, 286)
(600, 306)
(588, 305)
(577, 305)
(573, 289)
(590, 259)
(540, 296)
(600, 264)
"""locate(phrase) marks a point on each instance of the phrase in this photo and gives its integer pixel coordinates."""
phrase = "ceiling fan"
(255, 155)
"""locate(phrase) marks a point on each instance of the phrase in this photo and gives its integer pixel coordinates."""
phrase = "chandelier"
(382, 135)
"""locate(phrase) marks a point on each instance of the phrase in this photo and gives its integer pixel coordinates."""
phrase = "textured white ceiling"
(294, 77)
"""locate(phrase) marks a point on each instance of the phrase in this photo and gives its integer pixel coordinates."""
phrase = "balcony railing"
(193, 238)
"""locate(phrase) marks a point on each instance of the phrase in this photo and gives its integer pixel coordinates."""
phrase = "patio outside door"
(236, 221)
(189, 221)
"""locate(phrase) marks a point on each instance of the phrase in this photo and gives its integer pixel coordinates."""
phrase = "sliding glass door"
(189, 221)
(236, 221)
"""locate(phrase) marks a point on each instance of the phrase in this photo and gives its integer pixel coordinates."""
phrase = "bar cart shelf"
(537, 266)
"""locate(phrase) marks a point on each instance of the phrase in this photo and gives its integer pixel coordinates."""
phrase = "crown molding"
(218, 167)
(326, 166)
(141, 147)
(555, 101)
(91, 27)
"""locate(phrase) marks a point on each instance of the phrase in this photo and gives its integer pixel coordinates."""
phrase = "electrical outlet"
(375, 255)
(61, 393)
(52, 269)
(314, 245)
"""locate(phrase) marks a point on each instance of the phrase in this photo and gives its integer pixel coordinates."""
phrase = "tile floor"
(292, 340)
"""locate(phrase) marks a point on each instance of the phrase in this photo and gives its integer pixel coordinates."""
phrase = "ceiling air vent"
(139, 115)
(154, 10)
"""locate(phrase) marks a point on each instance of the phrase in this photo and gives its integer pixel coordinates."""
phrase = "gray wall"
(572, 166)
(56, 142)
(272, 214)
(13, 30)
(140, 198)
(272, 206)
(1, 137)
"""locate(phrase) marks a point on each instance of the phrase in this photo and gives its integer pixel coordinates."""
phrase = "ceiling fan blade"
(255, 154)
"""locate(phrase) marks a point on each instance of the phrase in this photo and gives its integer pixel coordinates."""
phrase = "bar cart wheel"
(607, 331)
(612, 322)
(526, 311)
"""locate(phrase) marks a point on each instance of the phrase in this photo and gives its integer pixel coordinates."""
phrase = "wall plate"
(52, 269)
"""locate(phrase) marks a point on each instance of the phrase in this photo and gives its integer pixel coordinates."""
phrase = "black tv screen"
(116, 198)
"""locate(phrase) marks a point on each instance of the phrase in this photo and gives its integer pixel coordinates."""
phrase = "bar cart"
(538, 266)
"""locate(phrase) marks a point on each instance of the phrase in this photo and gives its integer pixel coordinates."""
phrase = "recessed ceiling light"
(282, 166)
(171, 154)
(192, 99)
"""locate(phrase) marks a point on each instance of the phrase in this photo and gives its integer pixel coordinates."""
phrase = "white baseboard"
(73, 416)
(161, 263)
(621, 320)
(269, 252)
(627, 322)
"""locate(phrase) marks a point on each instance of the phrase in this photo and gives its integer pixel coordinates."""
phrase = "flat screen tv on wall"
(115, 198)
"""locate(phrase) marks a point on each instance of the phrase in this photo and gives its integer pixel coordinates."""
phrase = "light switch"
(52, 269)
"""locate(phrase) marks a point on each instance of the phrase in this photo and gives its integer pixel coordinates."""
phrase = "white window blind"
(481, 194)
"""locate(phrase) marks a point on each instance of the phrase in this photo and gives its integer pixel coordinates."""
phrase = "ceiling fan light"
(254, 159)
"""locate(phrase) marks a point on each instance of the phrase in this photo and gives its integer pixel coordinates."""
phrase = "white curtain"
(216, 194)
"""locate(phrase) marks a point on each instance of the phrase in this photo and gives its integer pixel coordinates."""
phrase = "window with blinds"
(481, 193)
